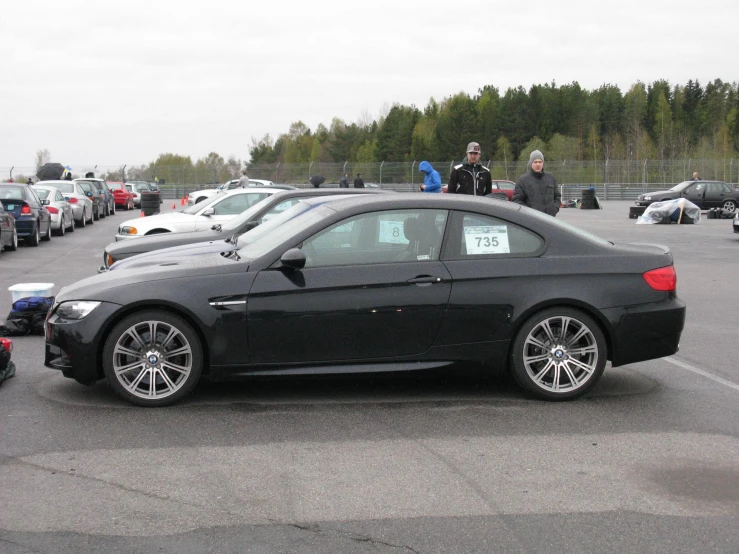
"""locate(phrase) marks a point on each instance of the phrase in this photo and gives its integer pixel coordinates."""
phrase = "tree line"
(656, 121)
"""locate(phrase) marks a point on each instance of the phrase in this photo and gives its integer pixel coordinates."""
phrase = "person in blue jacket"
(432, 180)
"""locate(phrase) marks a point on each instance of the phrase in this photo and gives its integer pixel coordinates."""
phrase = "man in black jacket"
(470, 177)
(359, 182)
(536, 188)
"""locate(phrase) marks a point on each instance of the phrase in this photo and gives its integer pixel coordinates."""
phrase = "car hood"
(166, 255)
(99, 286)
(172, 217)
(164, 240)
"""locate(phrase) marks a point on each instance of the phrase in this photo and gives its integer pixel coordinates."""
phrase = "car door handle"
(424, 280)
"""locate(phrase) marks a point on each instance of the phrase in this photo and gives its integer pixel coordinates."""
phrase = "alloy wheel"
(152, 360)
(560, 354)
(729, 206)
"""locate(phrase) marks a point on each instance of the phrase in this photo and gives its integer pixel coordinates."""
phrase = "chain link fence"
(613, 179)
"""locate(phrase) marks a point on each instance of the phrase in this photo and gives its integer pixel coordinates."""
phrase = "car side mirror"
(208, 212)
(251, 224)
(293, 259)
(46, 202)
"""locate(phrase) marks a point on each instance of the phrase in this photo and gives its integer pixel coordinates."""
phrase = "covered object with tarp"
(671, 211)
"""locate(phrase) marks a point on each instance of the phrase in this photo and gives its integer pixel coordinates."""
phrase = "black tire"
(71, 225)
(96, 214)
(729, 206)
(62, 228)
(637, 210)
(47, 236)
(33, 240)
(169, 385)
(576, 367)
(13, 246)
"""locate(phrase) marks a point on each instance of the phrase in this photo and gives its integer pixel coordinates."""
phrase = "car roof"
(425, 201)
(244, 190)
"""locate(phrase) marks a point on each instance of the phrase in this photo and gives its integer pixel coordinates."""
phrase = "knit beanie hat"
(536, 155)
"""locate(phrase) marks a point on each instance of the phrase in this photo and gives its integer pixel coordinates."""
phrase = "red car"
(122, 195)
(506, 187)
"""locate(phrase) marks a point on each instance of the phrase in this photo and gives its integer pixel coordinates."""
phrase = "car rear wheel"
(152, 358)
(112, 208)
(13, 242)
(96, 214)
(559, 354)
(71, 224)
(729, 206)
(62, 227)
(33, 240)
(47, 236)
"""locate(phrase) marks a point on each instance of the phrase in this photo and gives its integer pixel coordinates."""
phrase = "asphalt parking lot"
(452, 461)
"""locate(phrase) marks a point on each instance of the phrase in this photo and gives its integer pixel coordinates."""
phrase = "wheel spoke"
(129, 367)
(179, 351)
(536, 342)
(174, 367)
(126, 351)
(534, 359)
(133, 385)
(172, 333)
(167, 381)
(580, 334)
(548, 330)
(586, 368)
(591, 349)
(573, 380)
(539, 376)
(137, 338)
(152, 332)
(555, 378)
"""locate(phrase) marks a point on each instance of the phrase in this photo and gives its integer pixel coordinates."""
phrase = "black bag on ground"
(27, 316)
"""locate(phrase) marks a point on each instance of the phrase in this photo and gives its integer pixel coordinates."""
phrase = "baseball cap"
(473, 147)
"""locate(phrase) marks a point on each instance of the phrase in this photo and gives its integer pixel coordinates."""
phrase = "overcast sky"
(107, 84)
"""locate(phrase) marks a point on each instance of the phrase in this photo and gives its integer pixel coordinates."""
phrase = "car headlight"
(76, 309)
(108, 260)
(647, 198)
(129, 230)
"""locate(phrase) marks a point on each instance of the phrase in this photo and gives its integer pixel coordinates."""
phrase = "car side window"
(698, 187)
(394, 236)
(277, 209)
(714, 188)
(33, 197)
(59, 197)
(476, 235)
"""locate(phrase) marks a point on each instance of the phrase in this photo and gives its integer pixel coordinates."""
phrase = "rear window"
(9, 192)
(43, 194)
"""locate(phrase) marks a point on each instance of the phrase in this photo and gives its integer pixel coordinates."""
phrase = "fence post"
(344, 171)
(413, 166)
(731, 170)
(644, 177)
(309, 167)
(277, 171)
(383, 163)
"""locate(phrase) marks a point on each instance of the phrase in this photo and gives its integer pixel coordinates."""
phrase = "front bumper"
(643, 202)
(646, 331)
(74, 347)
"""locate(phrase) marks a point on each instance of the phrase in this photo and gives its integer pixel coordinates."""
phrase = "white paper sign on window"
(392, 232)
(482, 239)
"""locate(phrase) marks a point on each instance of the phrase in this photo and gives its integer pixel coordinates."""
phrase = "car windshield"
(248, 215)
(274, 232)
(43, 194)
(195, 208)
(681, 186)
(87, 186)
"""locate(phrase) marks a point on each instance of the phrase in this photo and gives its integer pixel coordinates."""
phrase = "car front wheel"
(559, 354)
(152, 358)
(729, 206)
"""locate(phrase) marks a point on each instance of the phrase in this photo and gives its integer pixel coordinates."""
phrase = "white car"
(212, 211)
(62, 218)
(82, 205)
(200, 195)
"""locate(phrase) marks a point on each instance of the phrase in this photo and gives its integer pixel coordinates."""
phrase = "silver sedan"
(62, 218)
(82, 208)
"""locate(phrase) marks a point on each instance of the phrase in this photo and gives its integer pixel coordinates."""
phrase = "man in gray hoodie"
(536, 188)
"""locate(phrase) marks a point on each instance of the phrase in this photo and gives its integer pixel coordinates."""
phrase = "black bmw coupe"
(407, 281)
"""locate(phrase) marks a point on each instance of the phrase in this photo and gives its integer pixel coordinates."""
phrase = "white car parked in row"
(212, 211)
(200, 195)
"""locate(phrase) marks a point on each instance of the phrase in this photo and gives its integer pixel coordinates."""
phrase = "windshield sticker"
(392, 232)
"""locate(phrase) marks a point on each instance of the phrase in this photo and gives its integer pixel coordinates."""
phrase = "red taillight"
(72, 200)
(25, 210)
(662, 279)
(52, 210)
